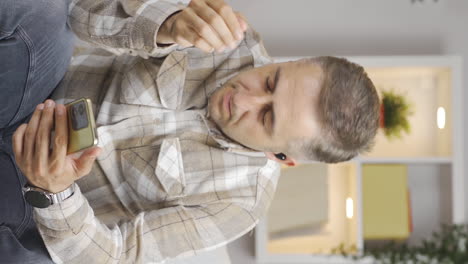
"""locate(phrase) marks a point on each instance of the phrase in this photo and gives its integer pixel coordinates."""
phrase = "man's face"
(267, 107)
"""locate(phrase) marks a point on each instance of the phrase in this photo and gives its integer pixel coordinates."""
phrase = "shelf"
(406, 161)
(431, 153)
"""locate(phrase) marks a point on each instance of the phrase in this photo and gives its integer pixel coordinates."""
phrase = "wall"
(429, 186)
(358, 27)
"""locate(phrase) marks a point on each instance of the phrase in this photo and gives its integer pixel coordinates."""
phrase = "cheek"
(247, 134)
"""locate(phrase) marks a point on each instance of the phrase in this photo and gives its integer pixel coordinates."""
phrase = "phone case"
(81, 125)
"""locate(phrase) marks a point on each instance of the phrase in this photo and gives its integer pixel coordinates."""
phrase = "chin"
(213, 108)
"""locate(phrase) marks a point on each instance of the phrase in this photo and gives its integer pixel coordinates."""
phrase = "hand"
(53, 171)
(205, 24)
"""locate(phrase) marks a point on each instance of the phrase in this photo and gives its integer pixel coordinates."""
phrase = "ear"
(288, 161)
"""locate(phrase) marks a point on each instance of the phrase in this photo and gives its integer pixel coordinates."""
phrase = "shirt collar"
(225, 142)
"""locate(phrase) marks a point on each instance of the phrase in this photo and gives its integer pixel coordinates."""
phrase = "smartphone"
(81, 125)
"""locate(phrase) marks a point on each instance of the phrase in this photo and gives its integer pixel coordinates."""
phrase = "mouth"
(226, 104)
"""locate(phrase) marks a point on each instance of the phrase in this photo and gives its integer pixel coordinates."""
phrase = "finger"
(216, 21)
(205, 31)
(84, 163)
(229, 17)
(203, 45)
(183, 42)
(30, 133)
(200, 43)
(242, 21)
(18, 138)
(60, 143)
(43, 133)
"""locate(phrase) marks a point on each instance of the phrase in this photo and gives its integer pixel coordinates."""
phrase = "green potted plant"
(394, 113)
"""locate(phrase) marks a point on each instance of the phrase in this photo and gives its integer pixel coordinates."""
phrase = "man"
(190, 137)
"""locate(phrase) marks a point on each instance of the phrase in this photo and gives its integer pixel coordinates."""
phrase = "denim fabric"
(35, 49)
(20, 241)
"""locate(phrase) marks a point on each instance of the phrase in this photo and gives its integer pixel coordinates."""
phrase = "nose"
(250, 102)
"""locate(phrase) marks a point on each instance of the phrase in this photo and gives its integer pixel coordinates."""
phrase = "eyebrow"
(277, 75)
(275, 85)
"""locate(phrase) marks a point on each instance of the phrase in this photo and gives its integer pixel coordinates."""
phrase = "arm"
(151, 28)
(122, 26)
(73, 234)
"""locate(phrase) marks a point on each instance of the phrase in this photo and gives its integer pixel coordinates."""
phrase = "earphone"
(280, 156)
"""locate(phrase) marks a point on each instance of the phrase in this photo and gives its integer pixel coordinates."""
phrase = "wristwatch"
(41, 198)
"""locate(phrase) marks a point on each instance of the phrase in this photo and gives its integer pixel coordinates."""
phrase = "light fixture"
(349, 208)
(441, 117)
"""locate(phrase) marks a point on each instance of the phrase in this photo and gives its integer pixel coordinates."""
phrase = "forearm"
(72, 233)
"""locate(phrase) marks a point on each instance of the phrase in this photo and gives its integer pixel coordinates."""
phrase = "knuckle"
(59, 140)
(213, 18)
(205, 30)
(41, 136)
(30, 133)
(225, 9)
(199, 42)
(186, 14)
(40, 132)
(194, 3)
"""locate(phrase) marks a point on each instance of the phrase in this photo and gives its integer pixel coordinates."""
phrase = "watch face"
(37, 199)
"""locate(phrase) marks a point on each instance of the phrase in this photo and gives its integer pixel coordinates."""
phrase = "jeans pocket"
(16, 214)
(11, 250)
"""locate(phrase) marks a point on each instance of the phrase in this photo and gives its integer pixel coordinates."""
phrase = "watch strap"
(60, 196)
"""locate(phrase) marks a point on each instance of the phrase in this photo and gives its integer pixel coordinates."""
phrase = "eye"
(265, 112)
(267, 84)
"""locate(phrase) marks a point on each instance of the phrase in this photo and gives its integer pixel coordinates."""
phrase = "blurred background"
(413, 180)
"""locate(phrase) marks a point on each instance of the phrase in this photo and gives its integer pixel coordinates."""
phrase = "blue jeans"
(35, 49)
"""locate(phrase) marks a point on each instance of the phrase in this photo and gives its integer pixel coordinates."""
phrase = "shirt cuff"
(66, 215)
(149, 19)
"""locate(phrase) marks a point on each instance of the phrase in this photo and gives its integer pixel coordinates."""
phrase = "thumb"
(85, 161)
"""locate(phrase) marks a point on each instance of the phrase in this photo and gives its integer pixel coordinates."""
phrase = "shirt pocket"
(154, 82)
(170, 168)
(155, 173)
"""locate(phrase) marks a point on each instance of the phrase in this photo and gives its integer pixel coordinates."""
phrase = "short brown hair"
(348, 109)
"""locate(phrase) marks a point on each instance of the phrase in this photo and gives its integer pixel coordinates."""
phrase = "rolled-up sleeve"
(123, 26)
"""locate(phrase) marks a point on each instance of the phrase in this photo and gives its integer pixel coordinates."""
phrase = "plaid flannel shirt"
(168, 183)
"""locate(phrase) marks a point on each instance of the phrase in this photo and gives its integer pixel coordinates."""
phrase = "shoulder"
(246, 180)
